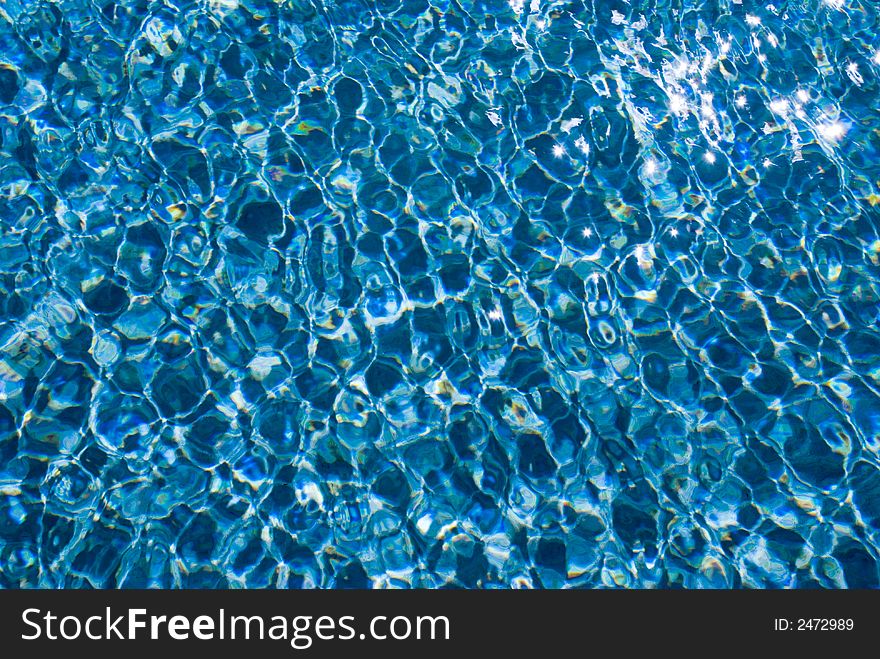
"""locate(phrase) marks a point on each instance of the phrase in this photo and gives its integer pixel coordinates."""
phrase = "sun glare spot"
(678, 104)
(779, 106)
(832, 131)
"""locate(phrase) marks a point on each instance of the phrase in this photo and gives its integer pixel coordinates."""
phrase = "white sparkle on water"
(558, 150)
(779, 106)
(650, 166)
(832, 131)
(568, 124)
(678, 104)
(767, 163)
(710, 157)
(495, 314)
(852, 70)
(741, 101)
(803, 95)
(588, 232)
(753, 20)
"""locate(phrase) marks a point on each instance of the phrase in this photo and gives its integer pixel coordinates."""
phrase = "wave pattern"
(453, 293)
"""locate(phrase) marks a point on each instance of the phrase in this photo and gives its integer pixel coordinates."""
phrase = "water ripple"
(575, 293)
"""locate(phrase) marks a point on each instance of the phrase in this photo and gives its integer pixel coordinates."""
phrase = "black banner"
(425, 623)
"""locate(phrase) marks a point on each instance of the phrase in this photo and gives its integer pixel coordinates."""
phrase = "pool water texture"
(465, 293)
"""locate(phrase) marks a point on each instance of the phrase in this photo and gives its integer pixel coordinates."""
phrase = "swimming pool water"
(467, 293)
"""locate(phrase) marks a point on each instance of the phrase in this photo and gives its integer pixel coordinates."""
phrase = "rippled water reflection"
(474, 293)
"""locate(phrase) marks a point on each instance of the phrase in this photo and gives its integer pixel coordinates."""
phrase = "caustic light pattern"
(439, 293)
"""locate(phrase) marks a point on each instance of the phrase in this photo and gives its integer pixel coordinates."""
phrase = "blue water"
(453, 293)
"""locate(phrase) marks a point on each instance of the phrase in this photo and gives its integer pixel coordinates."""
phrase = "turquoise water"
(439, 294)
